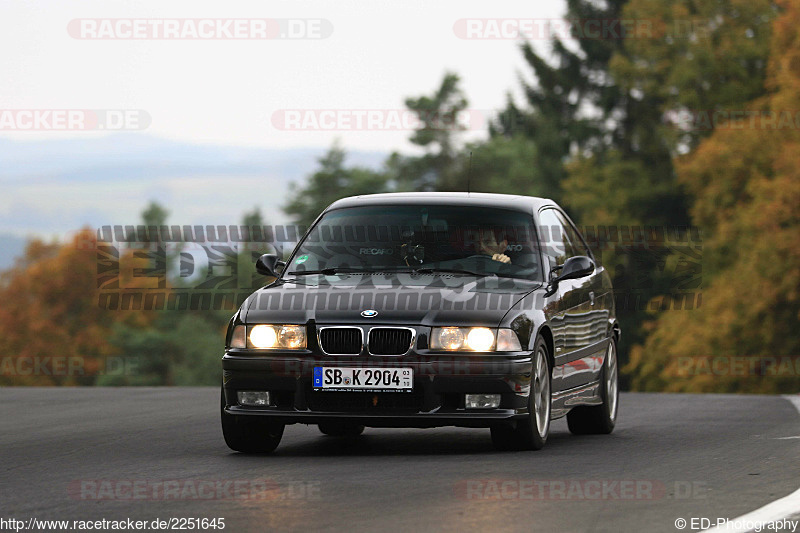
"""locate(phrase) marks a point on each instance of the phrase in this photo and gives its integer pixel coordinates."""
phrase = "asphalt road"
(142, 453)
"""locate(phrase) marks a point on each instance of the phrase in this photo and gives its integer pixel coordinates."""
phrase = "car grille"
(389, 341)
(365, 402)
(340, 341)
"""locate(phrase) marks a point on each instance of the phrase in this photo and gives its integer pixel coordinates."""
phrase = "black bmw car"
(424, 310)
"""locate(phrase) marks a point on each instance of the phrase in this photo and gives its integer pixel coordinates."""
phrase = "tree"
(688, 59)
(746, 184)
(178, 347)
(253, 218)
(331, 182)
(172, 346)
(501, 165)
(250, 251)
(693, 58)
(52, 332)
(440, 167)
(155, 214)
(569, 103)
(598, 150)
(440, 122)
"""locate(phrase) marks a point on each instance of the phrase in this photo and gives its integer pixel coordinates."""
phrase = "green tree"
(331, 182)
(693, 58)
(598, 150)
(440, 121)
(170, 346)
(507, 165)
(568, 104)
(250, 251)
(154, 214)
(253, 218)
(665, 70)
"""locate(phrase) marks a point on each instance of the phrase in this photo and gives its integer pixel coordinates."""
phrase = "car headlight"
(263, 336)
(448, 338)
(478, 339)
(269, 336)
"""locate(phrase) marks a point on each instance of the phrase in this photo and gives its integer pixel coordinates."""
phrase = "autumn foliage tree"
(52, 331)
(745, 180)
(55, 328)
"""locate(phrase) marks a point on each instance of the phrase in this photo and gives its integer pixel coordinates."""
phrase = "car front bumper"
(438, 397)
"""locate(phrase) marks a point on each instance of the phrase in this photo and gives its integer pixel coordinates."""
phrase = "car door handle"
(591, 297)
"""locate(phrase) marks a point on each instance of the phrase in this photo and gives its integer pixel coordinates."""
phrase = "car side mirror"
(268, 264)
(576, 267)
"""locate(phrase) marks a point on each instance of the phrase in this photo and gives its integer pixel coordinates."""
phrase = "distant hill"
(133, 155)
(54, 187)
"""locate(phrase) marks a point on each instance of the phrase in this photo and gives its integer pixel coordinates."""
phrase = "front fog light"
(253, 398)
(482, 401)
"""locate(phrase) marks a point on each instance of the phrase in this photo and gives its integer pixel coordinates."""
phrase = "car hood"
(414, 299)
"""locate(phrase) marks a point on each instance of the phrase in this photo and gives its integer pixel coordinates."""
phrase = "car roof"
(508, 201)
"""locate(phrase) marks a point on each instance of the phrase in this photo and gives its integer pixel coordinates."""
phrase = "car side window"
(555, 240)
(579, 247)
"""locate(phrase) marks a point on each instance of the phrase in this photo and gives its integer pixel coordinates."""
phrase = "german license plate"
(363, 379)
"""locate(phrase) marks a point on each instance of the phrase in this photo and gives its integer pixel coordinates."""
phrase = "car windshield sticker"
(302, 259)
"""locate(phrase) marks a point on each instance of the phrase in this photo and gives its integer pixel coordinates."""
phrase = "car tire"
(600, 419)
(531, 432)
(338, 428)
(250, 434)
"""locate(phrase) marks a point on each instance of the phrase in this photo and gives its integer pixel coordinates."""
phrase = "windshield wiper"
(421, 270)
(432, 270)
(329, 271)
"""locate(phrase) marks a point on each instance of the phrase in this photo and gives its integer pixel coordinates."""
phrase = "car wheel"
(600, 419)
(250, 434)
(338, 428)
(531, 432)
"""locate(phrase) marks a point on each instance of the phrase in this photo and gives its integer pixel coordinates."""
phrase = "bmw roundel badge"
(369, 313)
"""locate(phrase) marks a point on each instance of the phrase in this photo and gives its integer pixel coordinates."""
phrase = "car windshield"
(481, 241)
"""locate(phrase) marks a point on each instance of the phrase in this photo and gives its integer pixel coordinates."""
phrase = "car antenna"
(469, 172)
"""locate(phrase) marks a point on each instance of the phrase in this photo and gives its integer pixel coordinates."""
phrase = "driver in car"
(488, 245)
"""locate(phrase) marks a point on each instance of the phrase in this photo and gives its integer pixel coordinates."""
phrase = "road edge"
(773, 511)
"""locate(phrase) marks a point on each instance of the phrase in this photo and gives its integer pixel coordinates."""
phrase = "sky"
(377, 53)
(187, 104)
